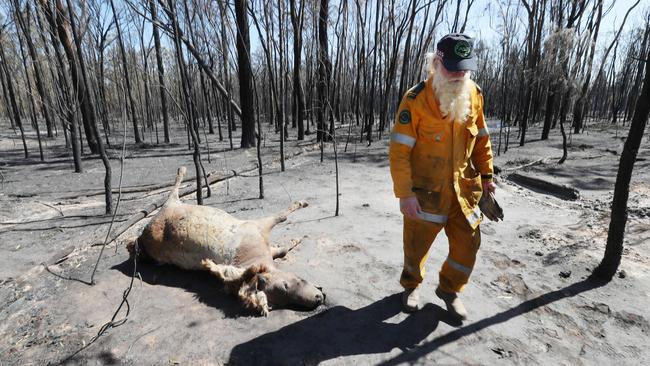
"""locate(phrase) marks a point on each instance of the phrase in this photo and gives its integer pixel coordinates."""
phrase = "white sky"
(484, 19)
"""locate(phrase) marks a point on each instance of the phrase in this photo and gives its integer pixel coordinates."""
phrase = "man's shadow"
(502, 317)
(340, 331)
(206, 288)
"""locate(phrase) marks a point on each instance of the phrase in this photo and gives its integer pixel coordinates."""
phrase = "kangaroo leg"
(267, 223)
(173, 195)
(281, 252)
(227, 273)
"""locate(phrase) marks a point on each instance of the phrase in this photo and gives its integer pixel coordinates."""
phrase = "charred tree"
(38, 75)
(12, 97)
(324, 71)
(190, 113)
(245, 75)
(614, 249)
(127, 80)
(66, 102)
(161, 70)
(298, 110)
(76, 72)
(92, 125)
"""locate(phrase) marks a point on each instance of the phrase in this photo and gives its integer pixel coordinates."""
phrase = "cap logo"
(462, 49)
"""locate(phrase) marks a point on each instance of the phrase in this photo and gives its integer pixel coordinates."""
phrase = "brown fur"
(244, 283)
(236, 251)
(142, 254)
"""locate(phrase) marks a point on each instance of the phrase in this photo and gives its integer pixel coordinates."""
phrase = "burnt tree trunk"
(161, 69)
(12, 99)
(298, 110)
(226, 71)
(38, 75)
(127, 80)
(30, 93)
(245, 76)
(80, 87)
(324, 68)
(186, 95)
(92, 124)
(615, 236)
(66, 103)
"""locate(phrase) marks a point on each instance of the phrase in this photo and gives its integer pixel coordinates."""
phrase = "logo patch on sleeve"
(404, 117)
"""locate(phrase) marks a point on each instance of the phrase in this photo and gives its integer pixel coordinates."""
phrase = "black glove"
(490, 208)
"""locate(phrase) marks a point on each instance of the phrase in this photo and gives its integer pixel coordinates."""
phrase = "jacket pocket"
(431, 132)
(471, 190)
(429, 199)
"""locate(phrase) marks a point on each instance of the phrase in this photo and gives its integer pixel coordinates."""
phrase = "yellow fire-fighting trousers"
(463, 245)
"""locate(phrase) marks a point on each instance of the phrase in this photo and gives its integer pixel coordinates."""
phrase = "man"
(441, 163)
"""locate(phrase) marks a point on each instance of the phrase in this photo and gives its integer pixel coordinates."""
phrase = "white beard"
(453, 96)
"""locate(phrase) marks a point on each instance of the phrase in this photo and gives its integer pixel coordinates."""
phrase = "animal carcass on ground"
(236, 251)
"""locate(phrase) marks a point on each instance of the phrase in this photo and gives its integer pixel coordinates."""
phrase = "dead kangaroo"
(236, 251)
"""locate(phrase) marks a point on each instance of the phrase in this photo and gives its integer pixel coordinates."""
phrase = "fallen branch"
(527, 165)
(54, 208)
(135, 189)
(545, 187)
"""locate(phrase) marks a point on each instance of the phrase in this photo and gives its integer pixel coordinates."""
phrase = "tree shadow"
(502, 317)
(205, 287)
(340, 331)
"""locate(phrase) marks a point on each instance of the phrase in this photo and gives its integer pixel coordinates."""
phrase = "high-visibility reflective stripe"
(483, 132)
(401, 138)
(439, 219)
(458, 266)
(474, 216)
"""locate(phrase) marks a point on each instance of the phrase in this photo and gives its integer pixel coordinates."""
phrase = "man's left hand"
(489, 187)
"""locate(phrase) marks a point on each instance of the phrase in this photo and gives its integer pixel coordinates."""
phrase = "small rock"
(565, 274)
(622, 274)
(502, 352)
(366, 205)
(538, 253)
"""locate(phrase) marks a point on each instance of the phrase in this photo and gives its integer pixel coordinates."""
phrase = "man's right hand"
(410, 207)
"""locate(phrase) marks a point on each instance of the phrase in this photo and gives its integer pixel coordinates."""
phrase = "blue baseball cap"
(457, 52)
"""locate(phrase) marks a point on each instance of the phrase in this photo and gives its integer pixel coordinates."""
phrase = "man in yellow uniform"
(441, 163)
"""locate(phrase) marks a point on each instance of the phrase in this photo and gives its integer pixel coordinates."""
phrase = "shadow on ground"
(502, 317)
(340, 331)
(344, 332)
(206, 288)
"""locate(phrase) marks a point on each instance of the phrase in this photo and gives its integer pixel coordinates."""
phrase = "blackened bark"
(161, 69)
(83, 96)
(45, 100)
(127, 80)
(92, 125)
(298, 110)
(614, 249)
(30, 93)
(12, 99)
(245, 75)
(66, 103)
(324, 71)
(190, 112)
(226, 71)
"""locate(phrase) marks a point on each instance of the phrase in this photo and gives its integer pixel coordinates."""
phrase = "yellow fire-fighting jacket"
(438, 160)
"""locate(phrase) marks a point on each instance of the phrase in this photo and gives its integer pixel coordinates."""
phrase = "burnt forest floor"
(528, 299)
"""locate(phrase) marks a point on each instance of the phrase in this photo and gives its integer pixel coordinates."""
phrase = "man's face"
(451, 76)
